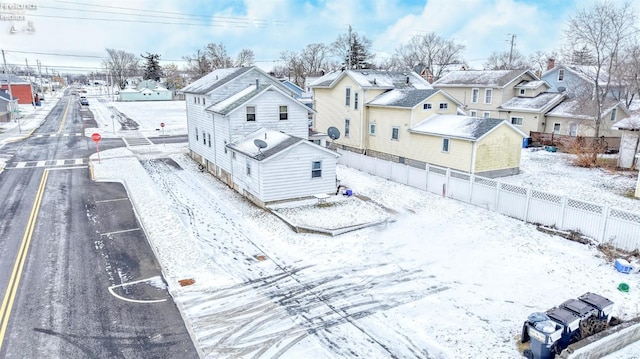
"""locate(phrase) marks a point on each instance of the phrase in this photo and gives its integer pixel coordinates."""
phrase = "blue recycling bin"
(525, 142)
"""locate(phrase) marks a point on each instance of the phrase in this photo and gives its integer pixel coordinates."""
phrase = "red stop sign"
(161, 124)
(96, 137)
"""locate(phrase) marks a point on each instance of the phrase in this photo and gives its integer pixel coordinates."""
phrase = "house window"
(248, 168)
(198, 99)
(474, 113)
(561, 75)
(613, 114)
(194, 100)
(203, 100)
(347, 122)
(573, 129)
(251, 113)
(204, 138)
(427, 106)
(486, 114)
(283, 113)
(556, 128)
(209, 137)
(347, 96)
(487, 95)
(197, 138)
(444, 105)
(522, 91)
(233, 155)
(395, 133)
(474, 95)
(401, 159)
(316, 169)
(372, 129)
(355, 101)
(225, 149)
(445, 145)
(516, 121)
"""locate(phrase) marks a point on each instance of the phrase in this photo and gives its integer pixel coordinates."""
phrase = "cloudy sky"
(71, 36)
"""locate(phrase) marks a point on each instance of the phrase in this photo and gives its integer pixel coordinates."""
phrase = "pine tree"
(152, 68)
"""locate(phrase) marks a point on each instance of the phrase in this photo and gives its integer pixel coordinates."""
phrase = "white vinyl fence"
(619, 228)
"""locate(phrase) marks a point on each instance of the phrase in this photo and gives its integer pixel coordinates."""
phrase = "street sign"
(96, 137)
(161, 124)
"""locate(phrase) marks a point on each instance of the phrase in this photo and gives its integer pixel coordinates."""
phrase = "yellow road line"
(12, 287)
(64, 118)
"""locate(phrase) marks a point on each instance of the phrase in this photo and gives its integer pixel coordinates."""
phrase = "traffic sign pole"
(96, 138)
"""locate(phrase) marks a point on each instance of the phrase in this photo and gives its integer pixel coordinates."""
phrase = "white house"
(226, 107)
(268, 166)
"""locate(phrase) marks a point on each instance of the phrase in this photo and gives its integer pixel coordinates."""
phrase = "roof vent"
(561, 89)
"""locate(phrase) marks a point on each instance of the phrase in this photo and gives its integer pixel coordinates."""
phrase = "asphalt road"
(78, 278)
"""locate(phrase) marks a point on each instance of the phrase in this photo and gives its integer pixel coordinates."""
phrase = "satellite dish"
(260, 143)
(333, 133)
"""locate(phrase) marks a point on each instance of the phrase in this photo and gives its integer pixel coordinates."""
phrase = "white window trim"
(553, 129)
(443, 106)
(347, 99)
(560, 78)
(398, 131)
(521, 120)
(475, 91)
(427, 104)
(486, 114)
(372, 126)
(316, 170)
(487, 91)
(448, 141)
(474, 113)
(523, 92)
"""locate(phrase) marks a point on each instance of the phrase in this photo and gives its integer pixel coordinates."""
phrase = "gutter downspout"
(472, 165)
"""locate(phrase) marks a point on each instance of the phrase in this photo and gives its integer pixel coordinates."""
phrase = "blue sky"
(174, 29)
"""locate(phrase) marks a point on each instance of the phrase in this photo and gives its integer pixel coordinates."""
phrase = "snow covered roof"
(464, 127)
(229, 104)
(407, 98)
(4, 78)
(4, 95)
(214, 80)
(540, 103)
(630, 124)
(146, 90)
(586, 72)
(581, 109)
(375, 79)
(128, 89)
(531, 84)
(481, 78)
(275, 141)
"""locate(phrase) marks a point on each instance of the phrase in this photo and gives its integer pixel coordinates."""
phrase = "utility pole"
(40, 74)
(513, 43)
(350, 50)
(6, 72)
(33, 100)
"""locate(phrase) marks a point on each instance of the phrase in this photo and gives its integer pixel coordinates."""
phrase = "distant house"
(574, 117)
(484, 146)
(229, 109)
(528, 109)
(20, 89)
(579, 80)
(147, 90)
(482, 91)
(269, 166)
(8, 105)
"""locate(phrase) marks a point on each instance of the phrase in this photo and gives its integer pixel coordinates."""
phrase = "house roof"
(463, 127)
(276, 142)
(406, 98)
(4, 95)
(531, 84)
(214, 80)
(630, 123)
(481, 78)
(375, 79)
(235, 101)
(580, 109)
(540, 103)
(586, 72)
(4, 78)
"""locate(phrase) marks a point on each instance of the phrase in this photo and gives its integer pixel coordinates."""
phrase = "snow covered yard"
(442, 279)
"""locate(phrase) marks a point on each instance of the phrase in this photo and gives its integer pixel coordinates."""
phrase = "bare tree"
(539, 60)
(354, 49)
(314, 58)
(121, 64)
(430, 50)
(198, 65)
(602, 32)
(506, 61)
(245, 58)
(173, 76)
(218, 57)
(627, 75)
(295, 67)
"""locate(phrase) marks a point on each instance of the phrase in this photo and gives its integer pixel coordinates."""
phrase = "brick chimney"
(551, 63)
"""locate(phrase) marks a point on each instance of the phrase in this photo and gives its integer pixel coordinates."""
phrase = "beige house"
(482, 91)
(574, 117)
(527, 112)
(484, 146)
(340, 98)
(391, 115)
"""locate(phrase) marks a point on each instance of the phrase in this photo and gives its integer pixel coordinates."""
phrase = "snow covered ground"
(439, 279)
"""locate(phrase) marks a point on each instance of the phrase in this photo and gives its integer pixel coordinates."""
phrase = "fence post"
(471, 182)
(603, 223)
(563, 209)
(445, 187)
(426, 180)
(497, 202)
(526, 205)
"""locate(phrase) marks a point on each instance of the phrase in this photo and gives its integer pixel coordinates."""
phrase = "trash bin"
(525, 142)
(571, 323)
(588, 315)
(545, 337)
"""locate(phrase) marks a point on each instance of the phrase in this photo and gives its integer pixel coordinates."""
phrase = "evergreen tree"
(152, 68)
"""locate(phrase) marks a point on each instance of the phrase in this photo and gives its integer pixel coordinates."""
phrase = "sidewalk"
(32, 118)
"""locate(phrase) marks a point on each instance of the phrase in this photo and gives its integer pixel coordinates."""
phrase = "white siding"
(288, 175)
(198, 118)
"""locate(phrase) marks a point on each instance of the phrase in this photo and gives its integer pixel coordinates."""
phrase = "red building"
(20, 88)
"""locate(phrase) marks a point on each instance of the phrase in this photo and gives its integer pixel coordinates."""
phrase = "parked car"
(84, 101)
